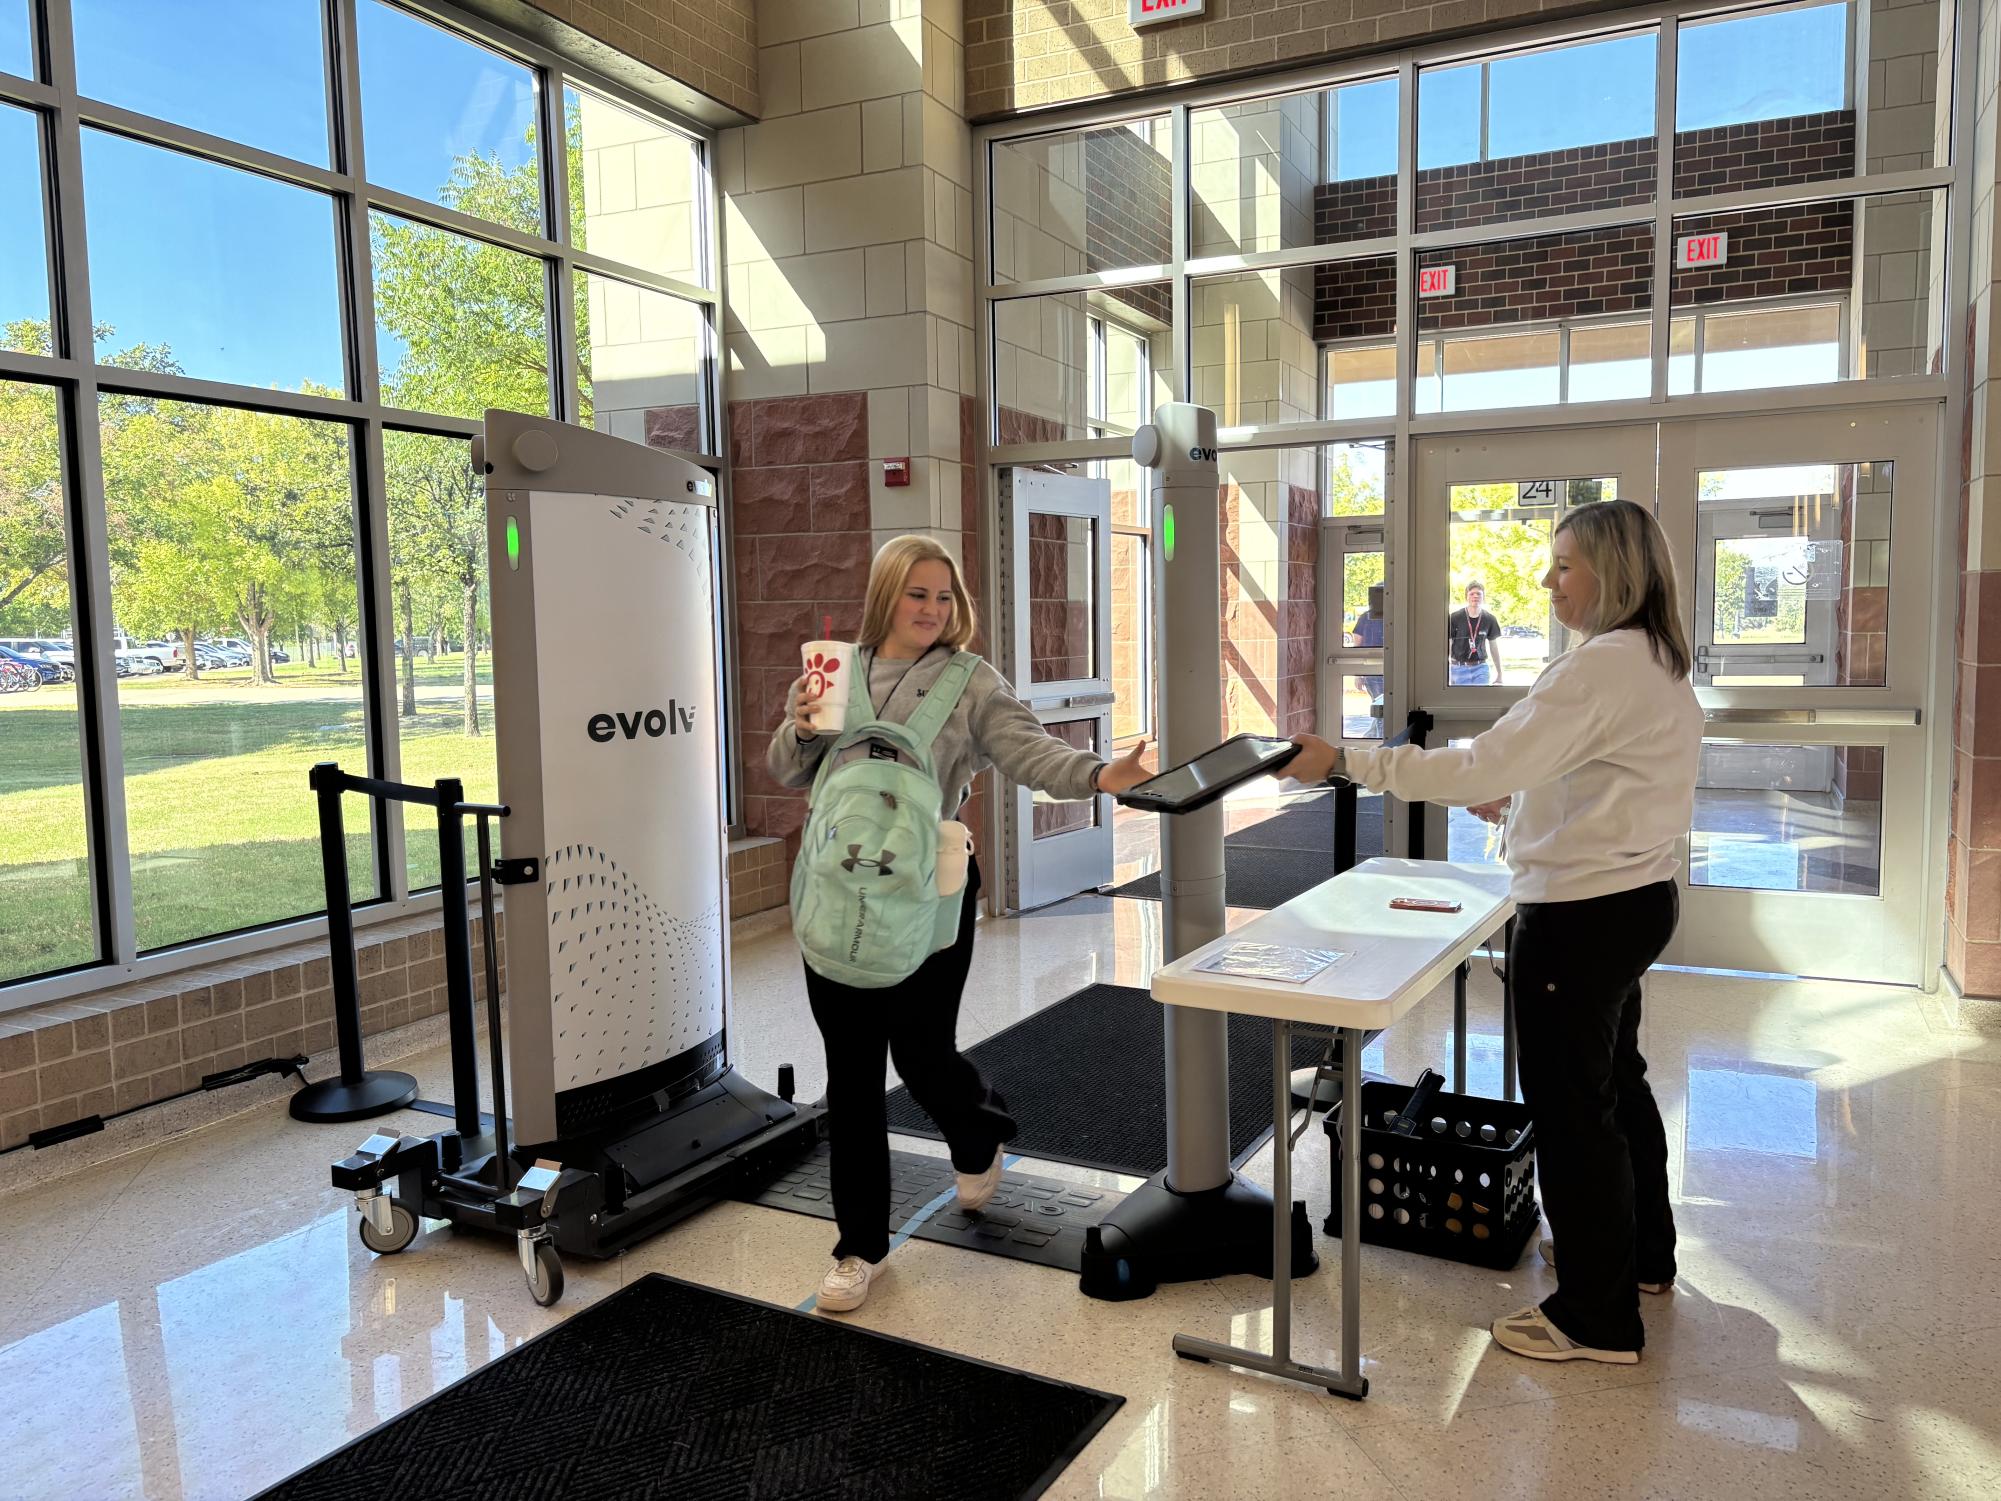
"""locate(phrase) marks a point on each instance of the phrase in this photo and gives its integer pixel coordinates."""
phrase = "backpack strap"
(943, 698)
(861, 708)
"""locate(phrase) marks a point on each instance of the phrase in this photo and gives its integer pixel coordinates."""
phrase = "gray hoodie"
(989, 727)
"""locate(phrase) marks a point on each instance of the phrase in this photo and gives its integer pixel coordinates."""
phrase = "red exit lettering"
(1702, 250)
(1437, 281)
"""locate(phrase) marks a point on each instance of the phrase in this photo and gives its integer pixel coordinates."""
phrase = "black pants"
(916, 1023)
(1601, 1153)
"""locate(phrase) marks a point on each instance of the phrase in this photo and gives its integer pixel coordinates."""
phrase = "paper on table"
(1266, 961)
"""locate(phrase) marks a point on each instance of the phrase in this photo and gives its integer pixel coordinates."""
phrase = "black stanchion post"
(458, 956)
(357, 1093)
(1346, 811)
(1416, 727)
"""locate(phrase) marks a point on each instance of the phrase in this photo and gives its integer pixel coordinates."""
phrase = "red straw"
(826, 627)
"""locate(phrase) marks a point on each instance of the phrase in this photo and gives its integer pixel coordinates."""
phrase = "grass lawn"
(223, 829)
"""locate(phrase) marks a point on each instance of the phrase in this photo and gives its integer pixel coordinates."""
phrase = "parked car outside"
(47, 671)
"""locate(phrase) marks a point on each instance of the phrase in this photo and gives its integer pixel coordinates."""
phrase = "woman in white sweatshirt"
(1592, 774)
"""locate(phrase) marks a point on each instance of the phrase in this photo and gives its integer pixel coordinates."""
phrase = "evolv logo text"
(673, 720)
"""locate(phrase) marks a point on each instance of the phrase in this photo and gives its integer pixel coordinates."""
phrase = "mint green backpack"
(865, 903)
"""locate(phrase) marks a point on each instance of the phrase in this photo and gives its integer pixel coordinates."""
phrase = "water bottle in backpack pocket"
(866, 907)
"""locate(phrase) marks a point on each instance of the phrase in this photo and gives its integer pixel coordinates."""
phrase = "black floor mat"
(1085, 1079)
(669, 1389)
(1029, 1219)
(1270, 863)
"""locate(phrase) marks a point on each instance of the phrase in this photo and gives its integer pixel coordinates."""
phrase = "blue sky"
(1753, 68)
(236, 272)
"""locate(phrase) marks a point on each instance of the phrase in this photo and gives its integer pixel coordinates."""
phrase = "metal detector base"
(1159, 1236)
(376, 1092)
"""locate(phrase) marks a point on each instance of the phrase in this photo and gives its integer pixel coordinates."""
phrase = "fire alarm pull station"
(895, 472)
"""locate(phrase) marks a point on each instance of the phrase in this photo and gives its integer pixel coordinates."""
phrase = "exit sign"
(1437, 281)
(1153, 12)
(1701, 250)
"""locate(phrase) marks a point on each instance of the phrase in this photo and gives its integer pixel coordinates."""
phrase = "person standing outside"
(916, 616)
(1593, 776)
(1369, 632)
(1473, 641)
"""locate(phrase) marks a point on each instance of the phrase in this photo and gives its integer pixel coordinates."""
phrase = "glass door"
(1056, 643)
(1486, 508)
(1805, 543)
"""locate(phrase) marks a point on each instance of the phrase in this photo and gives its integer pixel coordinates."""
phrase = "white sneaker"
(1529, 1333)
(845, 1288)
(1548, 1250)
(976, 1189)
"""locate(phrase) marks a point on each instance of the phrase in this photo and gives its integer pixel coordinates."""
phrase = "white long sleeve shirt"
(1600, 758)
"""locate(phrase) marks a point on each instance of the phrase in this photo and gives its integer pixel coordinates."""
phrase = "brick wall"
(1028, 54)
(1772, 253)
(1128, 192)
(1804, 249)
(1059, 622)
(1355, 299)
(710, 45)
(1580, 275)
(1765, 153)
(132, 1045)
(1609, 175)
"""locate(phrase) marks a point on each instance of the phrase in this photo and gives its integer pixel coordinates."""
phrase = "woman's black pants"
(1601, 1154)
(916, 1023)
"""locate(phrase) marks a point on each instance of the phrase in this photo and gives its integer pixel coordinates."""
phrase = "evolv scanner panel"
(606, 673)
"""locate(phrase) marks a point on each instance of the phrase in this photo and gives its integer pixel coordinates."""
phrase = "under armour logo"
(880, 867)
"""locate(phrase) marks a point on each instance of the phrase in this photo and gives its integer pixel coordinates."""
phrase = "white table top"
(1393, 959)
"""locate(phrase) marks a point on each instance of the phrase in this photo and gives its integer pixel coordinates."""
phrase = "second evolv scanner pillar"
(1198, 1219)
(1179, 448)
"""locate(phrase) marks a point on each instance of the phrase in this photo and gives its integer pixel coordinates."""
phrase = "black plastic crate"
(1463, 1187)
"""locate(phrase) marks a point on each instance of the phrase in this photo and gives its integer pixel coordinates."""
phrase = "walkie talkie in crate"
(1443, 1174)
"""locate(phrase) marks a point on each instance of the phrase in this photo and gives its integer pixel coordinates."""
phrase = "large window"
(292, 530)
(1839, 283)
(45, 865)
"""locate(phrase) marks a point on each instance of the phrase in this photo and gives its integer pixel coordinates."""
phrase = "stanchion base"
(1158, 1236)
(375, 1093)
(1328, 1093)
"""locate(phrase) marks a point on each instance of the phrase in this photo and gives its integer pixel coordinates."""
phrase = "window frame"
(61, 116)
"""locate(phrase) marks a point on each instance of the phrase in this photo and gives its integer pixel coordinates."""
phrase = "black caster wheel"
(546, 1286)
(402, 1230)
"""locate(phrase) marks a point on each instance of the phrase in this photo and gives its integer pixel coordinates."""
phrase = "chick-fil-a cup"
(830, 672)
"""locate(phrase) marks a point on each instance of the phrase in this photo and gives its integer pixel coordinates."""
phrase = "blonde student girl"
(917, 617)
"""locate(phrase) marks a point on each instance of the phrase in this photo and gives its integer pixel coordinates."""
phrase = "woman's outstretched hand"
(1494, 812)
(1315, 761)
(1125, 773)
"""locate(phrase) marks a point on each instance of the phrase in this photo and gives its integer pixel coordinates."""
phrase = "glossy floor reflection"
(198, 1319)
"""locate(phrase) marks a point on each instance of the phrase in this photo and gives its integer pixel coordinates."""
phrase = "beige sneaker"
(845, 1288)
(1529, 1333)
(976, 1189)
(1548, 1250)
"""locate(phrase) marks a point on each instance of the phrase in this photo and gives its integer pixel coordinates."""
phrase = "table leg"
(1459, 1028)
(1351, 1215)
(1508, 1011)
(1281, 1190)
(1346, 1382)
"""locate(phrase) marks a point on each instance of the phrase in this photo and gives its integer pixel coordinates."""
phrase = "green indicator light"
(1166, 532)
(513, 543)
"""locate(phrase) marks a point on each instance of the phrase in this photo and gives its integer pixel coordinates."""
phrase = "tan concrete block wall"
(710, 45)
(1027, 54)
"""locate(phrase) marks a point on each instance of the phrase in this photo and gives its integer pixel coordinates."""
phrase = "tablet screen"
(1233, 761)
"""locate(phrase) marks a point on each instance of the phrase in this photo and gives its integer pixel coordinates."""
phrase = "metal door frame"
(1037, 872)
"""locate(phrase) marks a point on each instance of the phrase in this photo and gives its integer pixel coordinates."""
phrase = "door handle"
(1857, 717)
